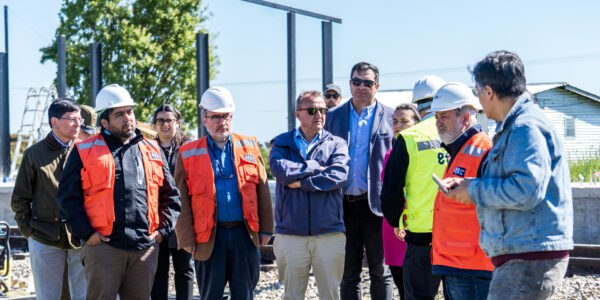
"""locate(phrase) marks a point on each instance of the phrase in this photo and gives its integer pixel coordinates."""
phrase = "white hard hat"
(426, 87)
(217, 99)
(113, 96)
(454, 95)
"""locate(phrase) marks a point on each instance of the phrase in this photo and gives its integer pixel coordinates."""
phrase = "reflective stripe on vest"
(200, 181)
(98, 181)
(455, 225)
(426, 157)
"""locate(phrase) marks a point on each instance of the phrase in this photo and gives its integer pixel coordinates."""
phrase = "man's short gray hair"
(472, 114)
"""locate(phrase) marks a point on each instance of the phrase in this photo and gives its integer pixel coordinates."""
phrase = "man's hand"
(190, 249)
(458, 189)
(96, 238)
(156, 236)
(400, 233)
(295, 185)
(264, 239)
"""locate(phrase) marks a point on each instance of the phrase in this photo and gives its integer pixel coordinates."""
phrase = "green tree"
(148, 46)
(265, 150)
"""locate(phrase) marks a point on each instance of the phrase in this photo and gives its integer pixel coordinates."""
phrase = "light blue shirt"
(303, 145)
(60, 142)
(358, 148)
(229, 203)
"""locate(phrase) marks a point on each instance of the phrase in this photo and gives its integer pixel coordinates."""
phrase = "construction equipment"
(34, 123)
(5, 266)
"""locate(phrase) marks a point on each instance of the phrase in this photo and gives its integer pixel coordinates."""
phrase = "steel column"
(327, 40)
(202, 76)
(4, 105)
(95, 71)
(291, 68)
(62, 77)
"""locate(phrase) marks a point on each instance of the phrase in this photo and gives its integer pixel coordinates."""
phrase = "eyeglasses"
(366, 82)
(217, 118)
(162, 121)
(331, 96)
(78, 120)
(313, 110)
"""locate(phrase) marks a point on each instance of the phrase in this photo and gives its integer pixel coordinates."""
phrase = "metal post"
(95, 71)
(291, 68)
(4, 105)
(202, 75)
(62, 77)
(327, 40)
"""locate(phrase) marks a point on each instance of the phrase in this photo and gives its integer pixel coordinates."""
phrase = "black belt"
(230, 224)
(353, 198)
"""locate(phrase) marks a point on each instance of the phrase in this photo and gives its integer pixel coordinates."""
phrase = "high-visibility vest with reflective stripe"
(455, 225)
(426, 156)
(200, 181)
(98, 182)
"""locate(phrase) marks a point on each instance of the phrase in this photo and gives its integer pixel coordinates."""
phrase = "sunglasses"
(331, 96)
(313, 110)
(366, 82)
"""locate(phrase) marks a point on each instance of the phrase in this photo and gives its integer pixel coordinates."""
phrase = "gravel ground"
(585, 286)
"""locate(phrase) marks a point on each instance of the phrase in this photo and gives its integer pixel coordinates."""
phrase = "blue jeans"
(363, 232)
(234, 259)
(459, 287)
(527, 279)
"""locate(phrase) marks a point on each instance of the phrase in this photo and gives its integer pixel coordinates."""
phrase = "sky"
(558, 41)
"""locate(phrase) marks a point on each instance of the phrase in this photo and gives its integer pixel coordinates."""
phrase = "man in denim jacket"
(523, 197)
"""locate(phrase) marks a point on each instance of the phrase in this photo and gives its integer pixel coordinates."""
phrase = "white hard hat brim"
(474, 105)
(220, 110)
(117, 105)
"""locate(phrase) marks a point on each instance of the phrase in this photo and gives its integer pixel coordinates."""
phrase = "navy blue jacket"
(338, 123)
(316, 207)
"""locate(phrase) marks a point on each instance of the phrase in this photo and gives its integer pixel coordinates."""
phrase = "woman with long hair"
(167, 123)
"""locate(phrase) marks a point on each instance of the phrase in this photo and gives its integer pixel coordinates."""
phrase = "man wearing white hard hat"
(227, 213)
(117, 195)
(408, 193)
(455, 253)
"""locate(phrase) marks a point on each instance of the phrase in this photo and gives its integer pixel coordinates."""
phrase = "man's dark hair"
(61, 106)
(364, 66)
(104, 115)
(307, 95)
(503, 72)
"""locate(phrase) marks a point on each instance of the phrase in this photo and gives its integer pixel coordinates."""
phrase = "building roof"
(393, 98)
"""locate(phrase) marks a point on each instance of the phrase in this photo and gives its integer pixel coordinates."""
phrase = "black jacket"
(130, 229)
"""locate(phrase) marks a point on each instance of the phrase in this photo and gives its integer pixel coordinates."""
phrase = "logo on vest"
(249, 157)
(459, 172)
(154, 155)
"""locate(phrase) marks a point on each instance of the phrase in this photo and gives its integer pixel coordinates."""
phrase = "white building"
(575, 114)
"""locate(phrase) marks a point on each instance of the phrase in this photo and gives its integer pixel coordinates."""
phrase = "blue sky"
(557, 40)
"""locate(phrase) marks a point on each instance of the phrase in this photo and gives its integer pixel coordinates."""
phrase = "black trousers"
(419, 283)
(184, 274)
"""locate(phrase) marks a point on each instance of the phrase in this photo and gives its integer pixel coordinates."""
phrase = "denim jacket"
(523, 198)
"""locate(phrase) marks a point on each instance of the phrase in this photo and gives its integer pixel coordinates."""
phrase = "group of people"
(110, 210)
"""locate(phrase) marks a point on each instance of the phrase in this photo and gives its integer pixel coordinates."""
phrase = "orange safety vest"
(455, 225)
(201, 182)
(98, 182)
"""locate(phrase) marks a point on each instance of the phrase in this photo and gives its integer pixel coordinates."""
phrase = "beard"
(452, 133)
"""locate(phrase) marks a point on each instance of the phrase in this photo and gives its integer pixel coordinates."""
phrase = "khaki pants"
(110, 271)
(296, 254)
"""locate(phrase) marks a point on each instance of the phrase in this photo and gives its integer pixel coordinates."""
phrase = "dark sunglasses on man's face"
(331, 96)
(366, 82)
(313, 110)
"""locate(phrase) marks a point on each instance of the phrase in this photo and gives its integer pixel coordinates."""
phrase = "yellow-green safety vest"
(426, 156)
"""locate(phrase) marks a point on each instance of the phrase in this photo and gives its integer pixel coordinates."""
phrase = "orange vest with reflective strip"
(200, 181)
(455, 225)
(98, 182)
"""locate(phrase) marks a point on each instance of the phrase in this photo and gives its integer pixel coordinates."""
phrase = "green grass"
(585, 167)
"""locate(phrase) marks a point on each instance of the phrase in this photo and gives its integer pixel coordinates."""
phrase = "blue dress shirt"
(358, 149)
(229, 203)
(303, 145)
(60, 142)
